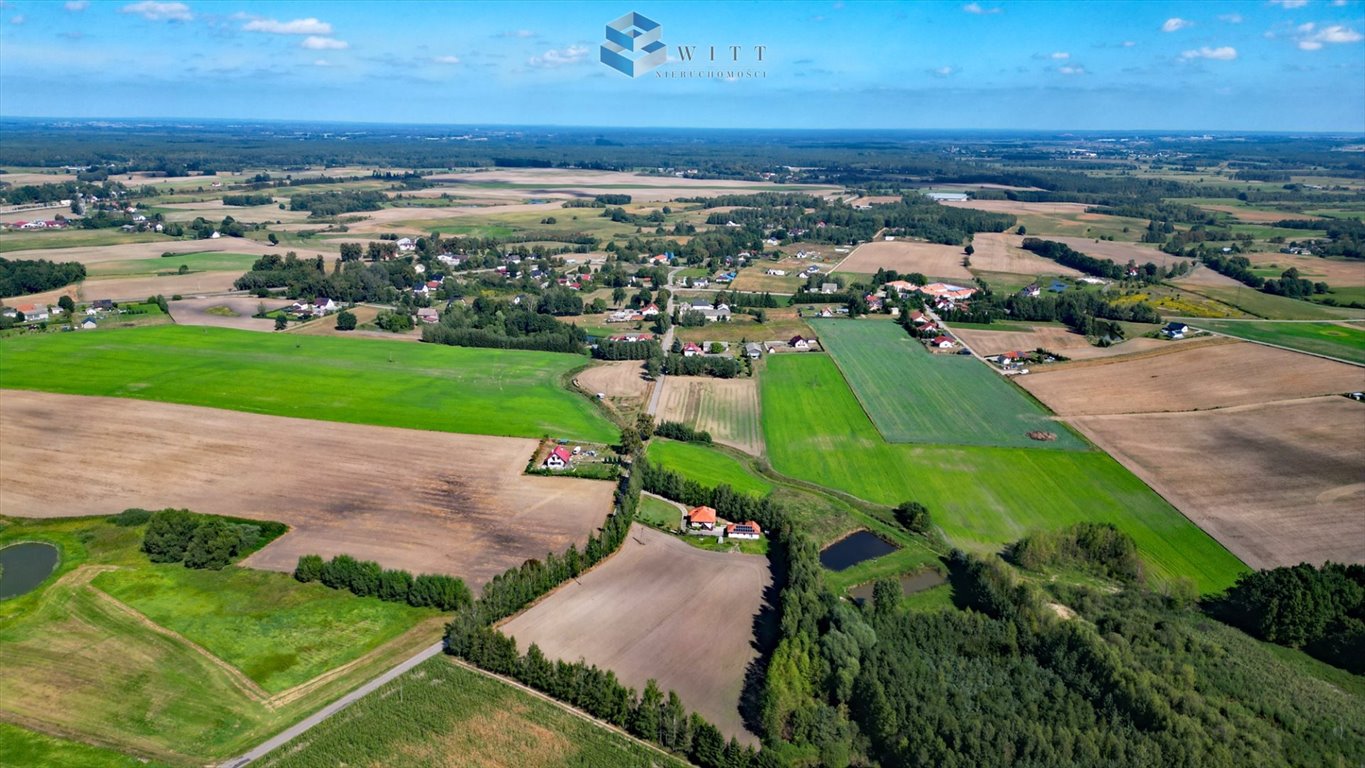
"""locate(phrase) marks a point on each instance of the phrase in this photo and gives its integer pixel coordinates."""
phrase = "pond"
(854, 549)
(25, 566)
(910, 584)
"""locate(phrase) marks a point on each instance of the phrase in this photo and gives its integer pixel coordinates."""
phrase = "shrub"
(168, 535)
(913, 516)
(212, 545)
(309, 568)
(131, 517)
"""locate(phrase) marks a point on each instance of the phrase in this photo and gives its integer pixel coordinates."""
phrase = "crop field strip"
(981, 497)
(447, 389)
(915, 396)
(1338, 340)
(726, 408)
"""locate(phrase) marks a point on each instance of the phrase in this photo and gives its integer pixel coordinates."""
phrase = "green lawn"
(981, 497)
(21, 748)
(706, 465)
(209, 261)
(364, 381)
(1346, 342)
(659, 513)
(81, 662)
(915, 396)
(441, 714)
(276, 630)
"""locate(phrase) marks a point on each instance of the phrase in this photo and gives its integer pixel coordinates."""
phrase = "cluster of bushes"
(913, 517)
(308, 278)
(1321, 610)
(719, 366)
(248, 199)
(501, 324)
(1239, 268)
(199, 541)
(322, 204)
(1108, 268)
(677, 431)
(626, 350)
(365, 578)
(22, 277)
(1096, 547)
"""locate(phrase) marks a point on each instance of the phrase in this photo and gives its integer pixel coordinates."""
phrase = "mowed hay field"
(707, 465)
(421, 501)
(660, 608)
(1339, 340)
(1190, 378)
(931, 259)
(418, 386)
(442, 714)
(726, 408)
(1000, 252)
(915, 396)
(1056, 339)
(981, 497)
(83, 663)
(1278, 484)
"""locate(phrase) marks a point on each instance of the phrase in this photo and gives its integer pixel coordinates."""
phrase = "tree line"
(1107, 268)
(499, 324)
(677, 431)
(365, 578)
(22, 277)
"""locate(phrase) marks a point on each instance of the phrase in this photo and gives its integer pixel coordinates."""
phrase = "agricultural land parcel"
(421, 501)
(448, 389)
(180, 698)
(707, 466)
(931, 259)
(1339, 340)
(914, 396)
(996, 338)
(726, 408)
(661, 609)
(444, 715)
(981, 497)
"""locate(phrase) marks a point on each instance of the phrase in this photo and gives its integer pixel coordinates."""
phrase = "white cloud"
(307, 26)
(152, 10)
(1224, 53)
(1231, 18)
(17, 20)
(1128, 43)
(559, 57)
(1060, 56)
(447, 59)
(322, 63)
(943, 71)
(1310, 40)
(1071, 70)
(324, 44)
(1338, 3)
(77, 5)
(1175, 24)
(978, 10)
(1289, 4)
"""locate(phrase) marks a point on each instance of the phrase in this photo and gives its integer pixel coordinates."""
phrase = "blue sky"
(1282, 65)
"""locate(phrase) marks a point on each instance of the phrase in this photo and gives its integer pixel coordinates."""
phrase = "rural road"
(666, 343)
(301, 727)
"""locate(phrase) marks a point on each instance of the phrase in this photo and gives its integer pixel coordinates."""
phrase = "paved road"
(312, 720)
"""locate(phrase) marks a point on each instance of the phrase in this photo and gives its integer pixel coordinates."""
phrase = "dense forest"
(487, 322)
(22, 277)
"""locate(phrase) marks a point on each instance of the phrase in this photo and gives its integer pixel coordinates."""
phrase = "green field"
(915, 396)
(1345, 342)
(26, 749)
(659, 513)
(83, 663)
(706, 465)
(442, 714)
(278, 632)
(74, 238)
(981, 497)
(209, 261)
(1271, 307)
(363, 381)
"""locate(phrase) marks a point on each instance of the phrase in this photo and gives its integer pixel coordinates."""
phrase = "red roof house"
(702, 517)
(558, 458)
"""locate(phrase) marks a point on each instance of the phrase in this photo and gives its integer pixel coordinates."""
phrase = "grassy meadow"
(915, 396)
(981, 497)
(361, 381)
(208, 261)
(442, 714)
(84, 663)
(1268, 306)
(1345, 342)
(707, 466)
(21, 748)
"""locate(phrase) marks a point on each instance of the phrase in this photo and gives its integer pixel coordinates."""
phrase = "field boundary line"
(457, 661)
(239, 679)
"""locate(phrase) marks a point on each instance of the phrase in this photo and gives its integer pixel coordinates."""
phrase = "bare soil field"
(1190, 377)
(224, 312)
(622, 381)
(1277, 484)
(727, 408)
(428, 502)
(1059, 340)
(1016, 207)
(1331, 271)
(931, 259)
(1000, 252)
(135, 288)
(663, 609)
(1201, 275)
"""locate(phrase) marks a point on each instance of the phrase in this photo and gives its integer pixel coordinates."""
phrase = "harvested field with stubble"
(423, 501)
(727, 408)
(662, 609)
(1000, 252)
(1277, 484)
(1062, 341)
(1117, 251)
(1210, 375)
(622, 381)
(931, 259)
